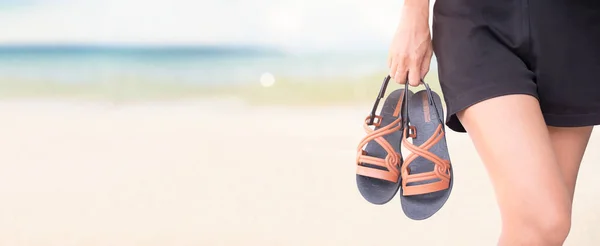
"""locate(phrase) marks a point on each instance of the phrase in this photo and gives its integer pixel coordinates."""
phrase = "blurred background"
(137, 50)
(181, 122)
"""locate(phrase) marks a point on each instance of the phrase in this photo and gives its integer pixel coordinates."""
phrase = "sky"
(284, 24)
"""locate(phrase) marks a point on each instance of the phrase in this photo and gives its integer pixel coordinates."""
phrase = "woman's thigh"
(513, 141)
(569, 146)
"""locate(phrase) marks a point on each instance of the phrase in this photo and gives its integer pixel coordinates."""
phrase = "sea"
(199, 65)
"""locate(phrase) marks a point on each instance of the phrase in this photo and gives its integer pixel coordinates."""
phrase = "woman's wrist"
(417, 3)
(419, 7)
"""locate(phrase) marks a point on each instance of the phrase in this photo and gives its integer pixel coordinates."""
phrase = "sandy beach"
(224, 173)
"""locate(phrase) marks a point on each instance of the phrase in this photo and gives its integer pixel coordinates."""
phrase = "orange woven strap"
(391, 163)
(441, 171)
(392, 159)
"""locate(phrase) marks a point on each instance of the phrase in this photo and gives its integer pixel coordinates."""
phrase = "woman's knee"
(554, 229)
(548, 225)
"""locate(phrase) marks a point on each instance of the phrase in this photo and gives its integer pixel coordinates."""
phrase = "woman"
(520, 76)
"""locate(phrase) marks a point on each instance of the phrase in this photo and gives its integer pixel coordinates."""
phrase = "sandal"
(378, 164)
(427, 176)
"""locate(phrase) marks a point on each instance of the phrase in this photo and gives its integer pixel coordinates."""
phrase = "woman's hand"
(410, 52)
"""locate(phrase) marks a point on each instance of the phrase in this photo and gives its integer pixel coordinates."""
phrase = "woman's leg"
(513, 141)
(569, 146)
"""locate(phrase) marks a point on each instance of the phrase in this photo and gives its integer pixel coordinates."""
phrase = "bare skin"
(411, 49)
(569, 147)
(533, 167)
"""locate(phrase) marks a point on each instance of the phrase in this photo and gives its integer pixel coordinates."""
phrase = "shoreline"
(285, 91)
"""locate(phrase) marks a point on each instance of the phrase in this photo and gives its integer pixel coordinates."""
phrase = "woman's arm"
(410, 52)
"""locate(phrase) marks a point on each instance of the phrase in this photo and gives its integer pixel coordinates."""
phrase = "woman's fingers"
(401, 71)
(393, 67)
(409, 69)
(414, 74)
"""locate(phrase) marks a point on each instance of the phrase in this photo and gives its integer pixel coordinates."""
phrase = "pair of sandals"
(424, 178)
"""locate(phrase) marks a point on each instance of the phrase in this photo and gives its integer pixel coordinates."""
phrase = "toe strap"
(381, 168)
(436, 180)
